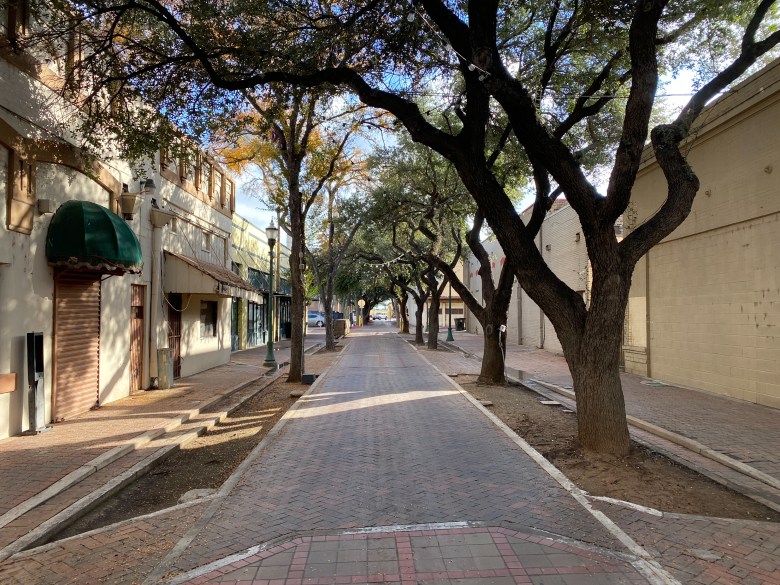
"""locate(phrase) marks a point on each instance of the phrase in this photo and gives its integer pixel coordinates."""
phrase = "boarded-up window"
(21, 194)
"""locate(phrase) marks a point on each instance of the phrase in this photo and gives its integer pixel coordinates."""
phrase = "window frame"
(209, 319)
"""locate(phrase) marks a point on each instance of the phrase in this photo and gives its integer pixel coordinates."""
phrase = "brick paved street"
(384, 440)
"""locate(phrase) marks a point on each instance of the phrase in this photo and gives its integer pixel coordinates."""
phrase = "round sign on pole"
(361, 303)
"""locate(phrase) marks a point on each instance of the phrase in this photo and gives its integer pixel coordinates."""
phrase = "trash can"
(460, 324)
(164, 367)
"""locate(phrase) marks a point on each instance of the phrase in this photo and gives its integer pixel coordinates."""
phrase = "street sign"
(361, 303)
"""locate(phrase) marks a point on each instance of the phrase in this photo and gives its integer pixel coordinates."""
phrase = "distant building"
(562, 246)
(249, 255)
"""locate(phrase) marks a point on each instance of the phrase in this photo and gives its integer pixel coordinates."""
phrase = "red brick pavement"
(493, 556)
(31, 464)
(121, 554)
(706, 551)
(385, 440)
(380, 443)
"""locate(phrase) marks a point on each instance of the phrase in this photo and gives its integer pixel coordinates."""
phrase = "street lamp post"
(271, 233)
(449, 328)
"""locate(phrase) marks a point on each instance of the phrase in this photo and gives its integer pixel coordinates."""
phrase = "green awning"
(87, 236)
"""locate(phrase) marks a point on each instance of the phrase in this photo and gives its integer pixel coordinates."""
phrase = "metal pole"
(449, 328)
(270, 360)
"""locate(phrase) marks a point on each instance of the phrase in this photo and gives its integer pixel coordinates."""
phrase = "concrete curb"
(690, 444)
(644, 562)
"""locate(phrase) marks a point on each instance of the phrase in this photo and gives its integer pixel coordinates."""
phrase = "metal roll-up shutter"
(76, 343)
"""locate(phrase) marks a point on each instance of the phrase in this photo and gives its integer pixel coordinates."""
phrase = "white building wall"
(27, 290)
(567, 258)
(201, 353)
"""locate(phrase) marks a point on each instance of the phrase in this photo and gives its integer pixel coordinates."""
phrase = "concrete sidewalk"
(48, 479)
(734, 442)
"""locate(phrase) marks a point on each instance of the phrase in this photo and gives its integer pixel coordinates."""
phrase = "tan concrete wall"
(715, 314)
(567, 257)
(706, 306)
(201, 353)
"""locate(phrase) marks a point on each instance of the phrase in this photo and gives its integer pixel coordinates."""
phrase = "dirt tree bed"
(644, 477)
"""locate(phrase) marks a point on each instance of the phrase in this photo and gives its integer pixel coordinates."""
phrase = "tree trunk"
(402, 314)
(298, 295)
(433, 320)
(330, 339)
(418, 323)
(595, 369)
(492, 371)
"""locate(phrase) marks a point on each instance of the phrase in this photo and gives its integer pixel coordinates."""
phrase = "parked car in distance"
(380, 316)
(315, 319)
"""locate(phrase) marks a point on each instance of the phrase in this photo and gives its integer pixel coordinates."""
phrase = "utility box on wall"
(164, 368)
(36, 400)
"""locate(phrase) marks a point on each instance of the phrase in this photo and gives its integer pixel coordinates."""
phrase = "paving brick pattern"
(706, 551)
(744, 431)
(122, 554)
(462, 556)
(386, 440)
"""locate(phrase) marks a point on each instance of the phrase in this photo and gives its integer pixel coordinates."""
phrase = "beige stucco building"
(249, 254)
(103, 316)
(704, 309)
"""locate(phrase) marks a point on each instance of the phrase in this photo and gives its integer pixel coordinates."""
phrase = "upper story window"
(186, 166)
(15, 17)
(205, 179)
(206, 243)
(219, 188)
(230, 194)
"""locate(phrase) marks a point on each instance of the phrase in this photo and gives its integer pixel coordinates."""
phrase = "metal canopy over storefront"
(189, 275)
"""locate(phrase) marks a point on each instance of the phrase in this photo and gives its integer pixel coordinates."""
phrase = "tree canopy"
(574, 81)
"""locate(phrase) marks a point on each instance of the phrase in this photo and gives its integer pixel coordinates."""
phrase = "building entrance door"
(174, 331)
(76, 343)
(136, 335)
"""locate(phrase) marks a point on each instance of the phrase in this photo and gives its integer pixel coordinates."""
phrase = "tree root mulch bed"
(643, 477)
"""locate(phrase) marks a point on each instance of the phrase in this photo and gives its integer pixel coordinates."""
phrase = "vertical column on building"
(159, 219)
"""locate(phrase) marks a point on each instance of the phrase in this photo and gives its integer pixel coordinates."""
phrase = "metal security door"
(174, 331)
(76, 343)
(136, 335)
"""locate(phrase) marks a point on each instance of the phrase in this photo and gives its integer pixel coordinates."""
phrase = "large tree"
(291, 137)
(577, 81)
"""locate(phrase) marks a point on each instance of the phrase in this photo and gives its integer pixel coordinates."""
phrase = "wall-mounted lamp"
(45, 206)
(130, 201)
